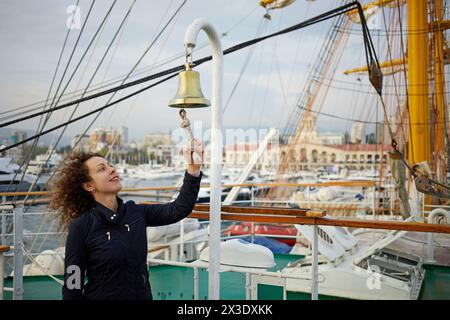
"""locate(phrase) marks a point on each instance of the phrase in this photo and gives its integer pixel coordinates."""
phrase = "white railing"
(197, 265)
(18, 250)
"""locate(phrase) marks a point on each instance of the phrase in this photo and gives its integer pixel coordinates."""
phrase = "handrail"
(300, 216)
(286, 184)
(4, 249)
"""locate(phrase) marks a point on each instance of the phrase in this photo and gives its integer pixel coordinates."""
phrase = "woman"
(107, 239)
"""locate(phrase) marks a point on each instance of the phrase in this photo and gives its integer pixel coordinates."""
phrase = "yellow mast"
(418, 93)
(439, 82)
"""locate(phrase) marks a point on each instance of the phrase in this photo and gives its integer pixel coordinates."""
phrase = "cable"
(86, 114)
(311, 21)
(86, 50)
(135, 66)
(26, 159)
(100, 63)
(43, 270)
(322, 17)
(369, 92)
(105, 83)
(124, 19)
(133, 103)
(69, 61)
(129, 74)
(244, 67)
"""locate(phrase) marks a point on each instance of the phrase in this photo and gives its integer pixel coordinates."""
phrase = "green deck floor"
(173, 283)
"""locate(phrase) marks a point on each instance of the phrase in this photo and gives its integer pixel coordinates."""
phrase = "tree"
(152, 157)
(26, 148)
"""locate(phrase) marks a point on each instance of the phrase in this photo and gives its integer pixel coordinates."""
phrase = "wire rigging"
(370, 52)
(311, 21)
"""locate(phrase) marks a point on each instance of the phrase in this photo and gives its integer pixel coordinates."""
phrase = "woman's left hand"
(195, 162)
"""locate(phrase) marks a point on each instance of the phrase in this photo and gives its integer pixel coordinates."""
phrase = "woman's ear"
(88, 186)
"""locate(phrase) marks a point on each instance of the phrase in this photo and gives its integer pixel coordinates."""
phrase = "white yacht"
(10, 178)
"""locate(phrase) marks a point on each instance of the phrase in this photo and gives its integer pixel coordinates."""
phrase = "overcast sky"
(32, 34)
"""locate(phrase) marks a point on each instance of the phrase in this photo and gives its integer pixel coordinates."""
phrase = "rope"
(244, 67)
(28, 254)
(361, 121)
(132, 70)
(117, 79)
(402, 48)
(133, 103)
(90, 81)
(322, 17)
(186, 126)
(87, 114)
(108, 104)
(27, 158)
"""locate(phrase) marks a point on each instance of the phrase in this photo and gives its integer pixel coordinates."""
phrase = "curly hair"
(70, 199)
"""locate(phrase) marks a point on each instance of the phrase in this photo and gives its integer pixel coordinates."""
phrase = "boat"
(261, 229)
(43, 164)
(150, 172)
(11, 178)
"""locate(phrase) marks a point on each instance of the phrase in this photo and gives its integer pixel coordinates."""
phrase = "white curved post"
(190, 39)
(433, 214)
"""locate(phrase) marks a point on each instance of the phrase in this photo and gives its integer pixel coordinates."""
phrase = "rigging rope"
(50, 152)
(108, 104)
(133, 68)
(27, 158)
(361, 121)
(322, 17)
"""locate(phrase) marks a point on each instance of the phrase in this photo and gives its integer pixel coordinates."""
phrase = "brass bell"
(189, 93)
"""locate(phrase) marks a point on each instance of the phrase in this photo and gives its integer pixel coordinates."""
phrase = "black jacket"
(111, 248)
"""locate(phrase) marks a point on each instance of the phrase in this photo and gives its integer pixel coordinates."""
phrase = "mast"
(418, 92)
(439, 92)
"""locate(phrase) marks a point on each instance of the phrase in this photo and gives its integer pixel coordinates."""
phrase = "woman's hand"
(196, 160)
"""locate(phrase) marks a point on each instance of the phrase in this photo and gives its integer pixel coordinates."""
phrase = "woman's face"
(104, 177)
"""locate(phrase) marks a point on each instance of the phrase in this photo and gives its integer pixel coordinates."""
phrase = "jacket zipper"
(128, 227)
(109, 235)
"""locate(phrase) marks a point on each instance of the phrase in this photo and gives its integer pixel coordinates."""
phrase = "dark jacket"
(111, 248)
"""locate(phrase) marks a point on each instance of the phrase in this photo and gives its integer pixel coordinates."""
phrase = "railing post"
(3, 227)
(3, 249)
(196, 286)
(181, 255)
(253, 224)
(309, 200)
(374, 201)
(430, 248)
(18, 253)
(315, 264)
(391, 202)
(248, 290)
(438, 212)
(252, 196)
(1, 275)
